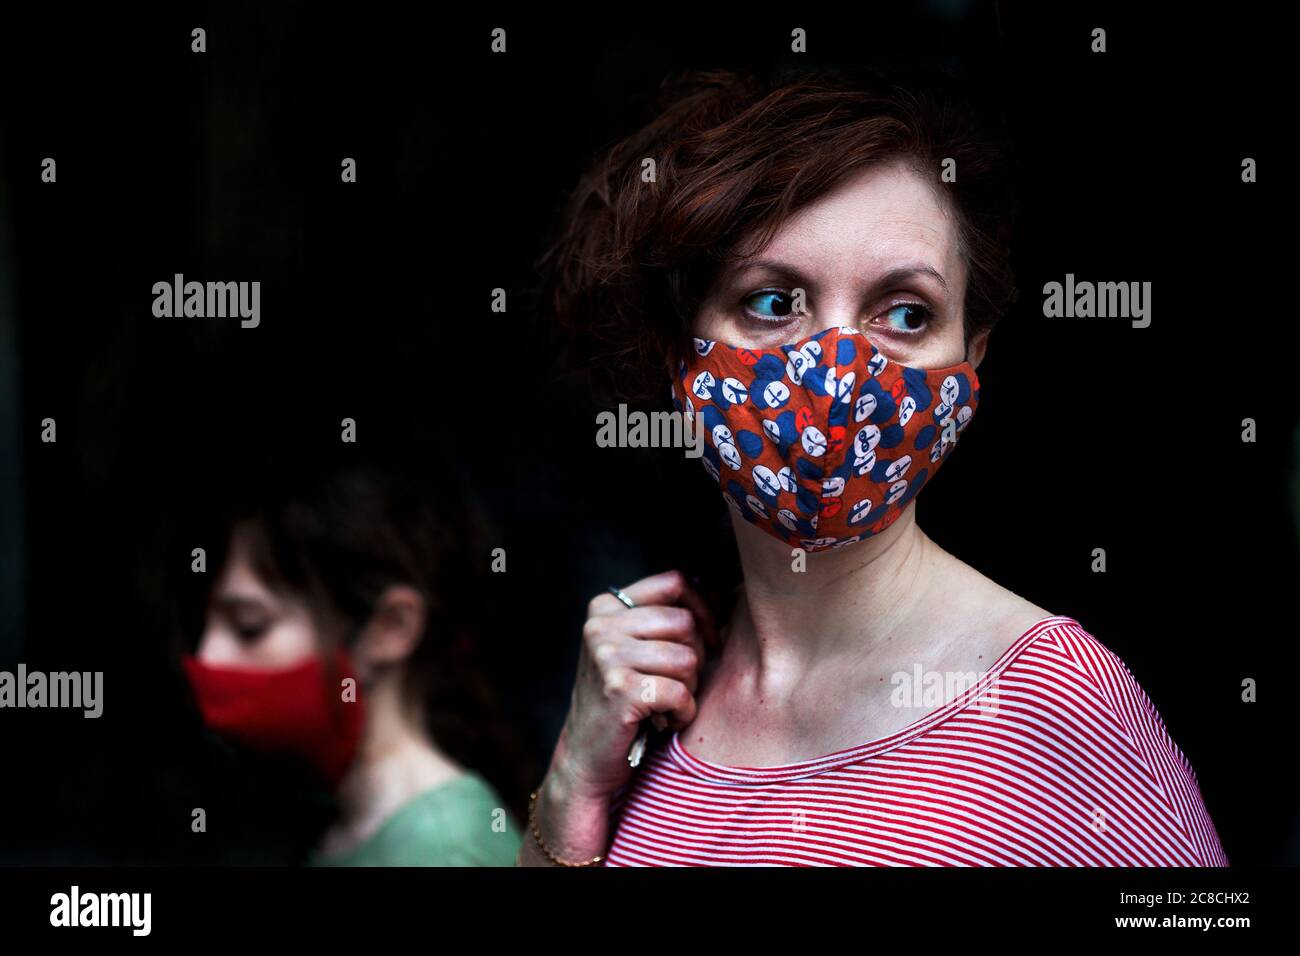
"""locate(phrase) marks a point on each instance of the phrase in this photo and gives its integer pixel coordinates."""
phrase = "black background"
(375, 306)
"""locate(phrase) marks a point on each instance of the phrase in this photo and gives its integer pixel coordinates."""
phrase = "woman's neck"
(396, 761)
(803, 614)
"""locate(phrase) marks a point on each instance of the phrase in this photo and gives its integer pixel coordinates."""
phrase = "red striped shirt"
(1053, 757)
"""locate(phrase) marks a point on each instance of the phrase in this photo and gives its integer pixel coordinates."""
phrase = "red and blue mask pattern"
(824, 442)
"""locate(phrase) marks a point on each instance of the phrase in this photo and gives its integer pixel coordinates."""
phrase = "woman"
(815, 269)
(336, 637)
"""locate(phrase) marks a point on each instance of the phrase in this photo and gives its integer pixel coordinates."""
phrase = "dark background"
(375, 306)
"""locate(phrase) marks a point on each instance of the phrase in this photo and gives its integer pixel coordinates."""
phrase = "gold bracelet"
(532, 825)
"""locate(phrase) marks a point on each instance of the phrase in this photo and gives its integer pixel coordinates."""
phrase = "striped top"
(1054, 756)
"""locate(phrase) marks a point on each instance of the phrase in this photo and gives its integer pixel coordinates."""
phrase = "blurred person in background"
(339, 636)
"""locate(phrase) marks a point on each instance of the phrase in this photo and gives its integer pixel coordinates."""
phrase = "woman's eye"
(769, 304)
(909, 317)
(250, 632)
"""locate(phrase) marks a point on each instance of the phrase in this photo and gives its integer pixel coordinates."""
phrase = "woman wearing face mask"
(337, 636)
(818, 298)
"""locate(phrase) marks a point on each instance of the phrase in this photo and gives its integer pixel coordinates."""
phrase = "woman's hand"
(634, 663)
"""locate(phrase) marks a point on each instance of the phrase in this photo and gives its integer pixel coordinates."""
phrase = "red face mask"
(298, 709)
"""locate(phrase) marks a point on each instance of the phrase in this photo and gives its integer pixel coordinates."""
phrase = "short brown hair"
(632, 260)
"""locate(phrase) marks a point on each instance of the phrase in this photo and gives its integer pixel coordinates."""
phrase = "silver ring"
(627, 601)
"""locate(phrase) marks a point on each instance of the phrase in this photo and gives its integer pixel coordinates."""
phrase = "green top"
(458, 823)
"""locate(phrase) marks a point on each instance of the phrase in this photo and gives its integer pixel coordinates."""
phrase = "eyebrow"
(238, 602)
(791, 274)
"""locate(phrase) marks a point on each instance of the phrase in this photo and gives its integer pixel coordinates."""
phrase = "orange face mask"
(824, 442)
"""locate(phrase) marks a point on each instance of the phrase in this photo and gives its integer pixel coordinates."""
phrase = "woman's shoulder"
(473, 825)
(460, 822)
(1065, 639)
(1067, 650)
(1084, 693)
(980, 611)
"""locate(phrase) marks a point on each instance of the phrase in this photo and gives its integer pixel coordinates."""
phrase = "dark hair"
(337, 536)
(734, 154)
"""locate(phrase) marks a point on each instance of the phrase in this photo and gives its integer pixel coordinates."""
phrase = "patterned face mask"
(824, 442)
